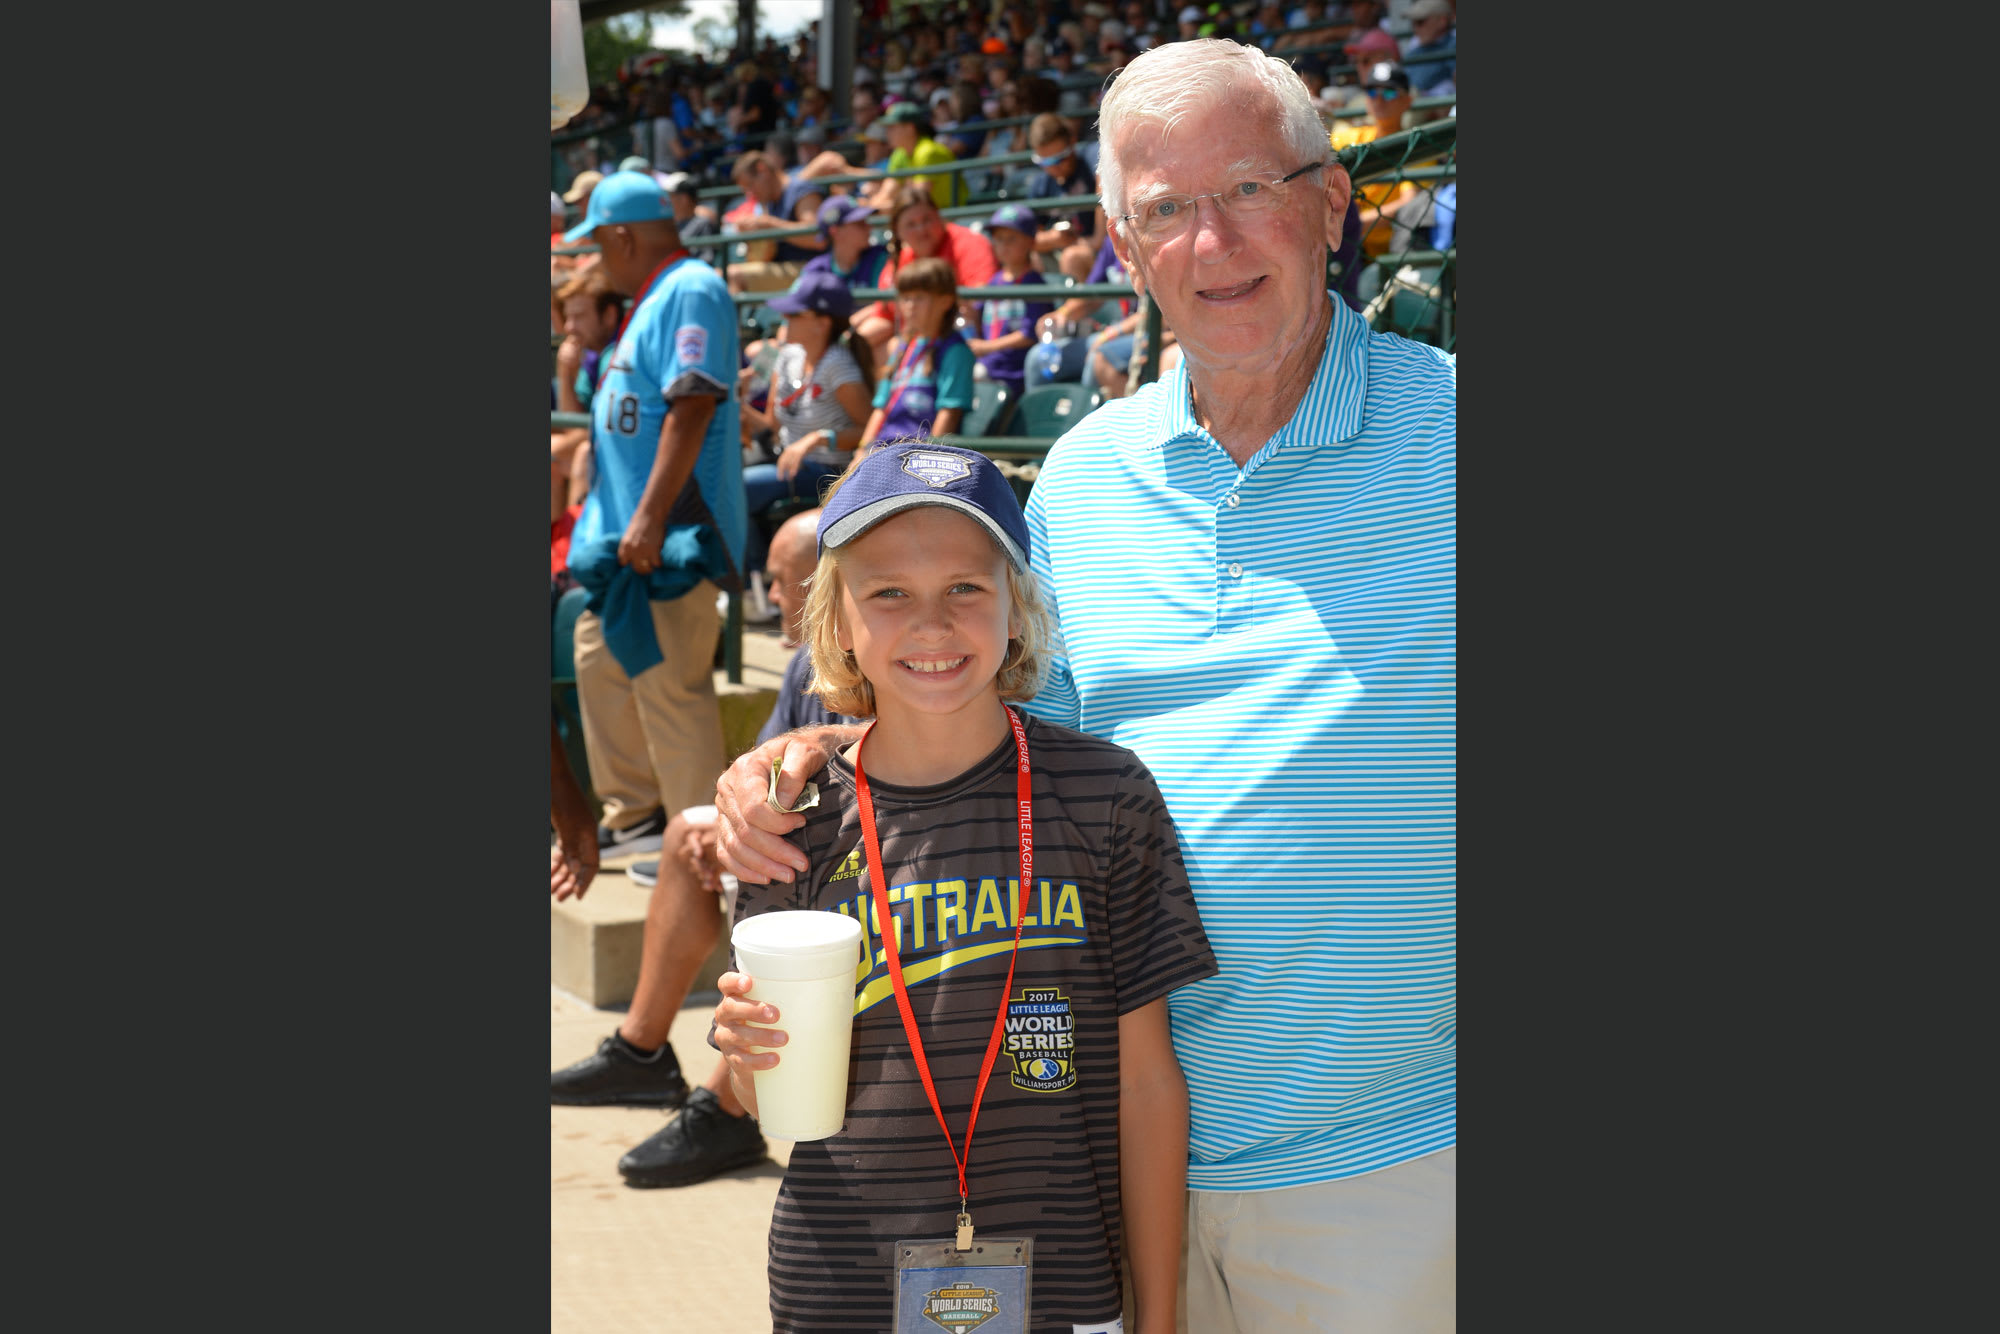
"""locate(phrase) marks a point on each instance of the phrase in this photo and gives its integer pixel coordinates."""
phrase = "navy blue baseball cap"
(840, 209)
(912, 474)
(817, 291)
(623, 196)
(1019, 217)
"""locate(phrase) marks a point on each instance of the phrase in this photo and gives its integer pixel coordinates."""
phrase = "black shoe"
(617, 847)
(643, 874)
(703, 1141)
(618, 1076)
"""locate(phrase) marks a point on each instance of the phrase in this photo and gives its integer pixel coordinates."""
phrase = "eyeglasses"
(1386, 92)
(1164, 217)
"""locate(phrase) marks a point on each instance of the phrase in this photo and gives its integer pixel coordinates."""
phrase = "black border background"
(403, 698)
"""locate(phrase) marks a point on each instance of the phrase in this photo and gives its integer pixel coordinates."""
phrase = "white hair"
(1196, 81)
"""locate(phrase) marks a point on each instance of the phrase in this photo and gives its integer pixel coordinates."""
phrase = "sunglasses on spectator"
(1386, 91)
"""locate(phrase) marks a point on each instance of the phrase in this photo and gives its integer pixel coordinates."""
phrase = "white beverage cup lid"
(791, 945)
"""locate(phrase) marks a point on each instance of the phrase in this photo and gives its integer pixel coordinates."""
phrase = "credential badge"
(935, 469)
(961, 1307)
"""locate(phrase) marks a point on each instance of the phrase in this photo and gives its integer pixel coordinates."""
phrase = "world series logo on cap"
(935, 469)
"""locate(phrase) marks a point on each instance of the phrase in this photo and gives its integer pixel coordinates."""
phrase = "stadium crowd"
(793, 399)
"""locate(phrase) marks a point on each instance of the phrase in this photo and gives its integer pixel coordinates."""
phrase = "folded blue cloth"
(621, 598)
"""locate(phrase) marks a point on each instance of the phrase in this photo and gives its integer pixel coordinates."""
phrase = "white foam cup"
(804, 963)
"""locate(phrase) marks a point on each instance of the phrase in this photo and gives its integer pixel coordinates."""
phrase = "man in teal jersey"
(1253, 567)
(665, 512)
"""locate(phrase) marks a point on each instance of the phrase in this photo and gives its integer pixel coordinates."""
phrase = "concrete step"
(595, 942)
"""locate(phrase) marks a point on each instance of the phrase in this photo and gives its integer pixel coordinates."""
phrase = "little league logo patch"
(690, 344)
(935, 469)
(961, 1307)
(1041, 1038)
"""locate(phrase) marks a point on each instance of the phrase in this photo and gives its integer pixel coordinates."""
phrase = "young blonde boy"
(923, 615)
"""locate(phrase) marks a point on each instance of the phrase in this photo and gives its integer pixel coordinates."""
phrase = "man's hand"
(750, 835)
(569, 877)
(569, 357)
(573, 861)
(640, 546)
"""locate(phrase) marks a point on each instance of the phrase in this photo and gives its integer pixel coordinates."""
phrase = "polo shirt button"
(1234, 500)
(1235, 570)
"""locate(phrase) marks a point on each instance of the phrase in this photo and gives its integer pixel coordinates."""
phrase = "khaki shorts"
(1373, 1254)
(766, 276)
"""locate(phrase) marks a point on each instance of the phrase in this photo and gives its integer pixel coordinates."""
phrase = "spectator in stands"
(1142, 24)
(557, 219)
(662, 528)
(658, 133)
(965, 109)
(1363, 16)
(875, 147)
(1062, 63)
(819, 398)
(813, 105)
(591, 312)
(1191, 19)
(1007, 138)
(815, 159)
(1066, 335)
(931, 386)
(689, 216)
(911, 145)
(636, 1066)
(578, 194)
(922, 232)
(1006, 328)
(1388, 89)
(1307, 14)
(1075, 238)
(1432, 30)
(843, 220)
(775, 203)
(1162, 535)
(756, 110)
(865, 108)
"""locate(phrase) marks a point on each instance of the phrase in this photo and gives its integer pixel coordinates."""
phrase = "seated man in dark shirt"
(1075, 237)
(774, 266)
(636, 1066)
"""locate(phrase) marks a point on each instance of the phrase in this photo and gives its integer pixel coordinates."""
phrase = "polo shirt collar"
(1329, 412)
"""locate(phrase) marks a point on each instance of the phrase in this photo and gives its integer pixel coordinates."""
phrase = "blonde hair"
(1181, 81)
(836, 676)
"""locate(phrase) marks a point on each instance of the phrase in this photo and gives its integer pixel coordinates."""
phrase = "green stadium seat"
(1052, 409)
(562, 689)
(992, 409)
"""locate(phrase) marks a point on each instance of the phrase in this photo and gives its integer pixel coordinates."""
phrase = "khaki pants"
(766, 275)
(656, 741)
(1373, 1254)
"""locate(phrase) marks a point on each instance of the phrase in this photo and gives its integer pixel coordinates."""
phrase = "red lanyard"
(644, 288)
(896, 378)
(1025, 805)
(786, 401)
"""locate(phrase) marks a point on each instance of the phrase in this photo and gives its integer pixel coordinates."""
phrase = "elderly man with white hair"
(1253, 566)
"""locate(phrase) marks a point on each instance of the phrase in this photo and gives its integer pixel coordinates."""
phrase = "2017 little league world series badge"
(1041, 1037)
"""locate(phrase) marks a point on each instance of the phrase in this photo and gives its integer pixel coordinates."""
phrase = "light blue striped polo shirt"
(1279, 644)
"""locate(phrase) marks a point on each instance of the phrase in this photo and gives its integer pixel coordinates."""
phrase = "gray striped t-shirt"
(804, 405)
(1110, 925)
